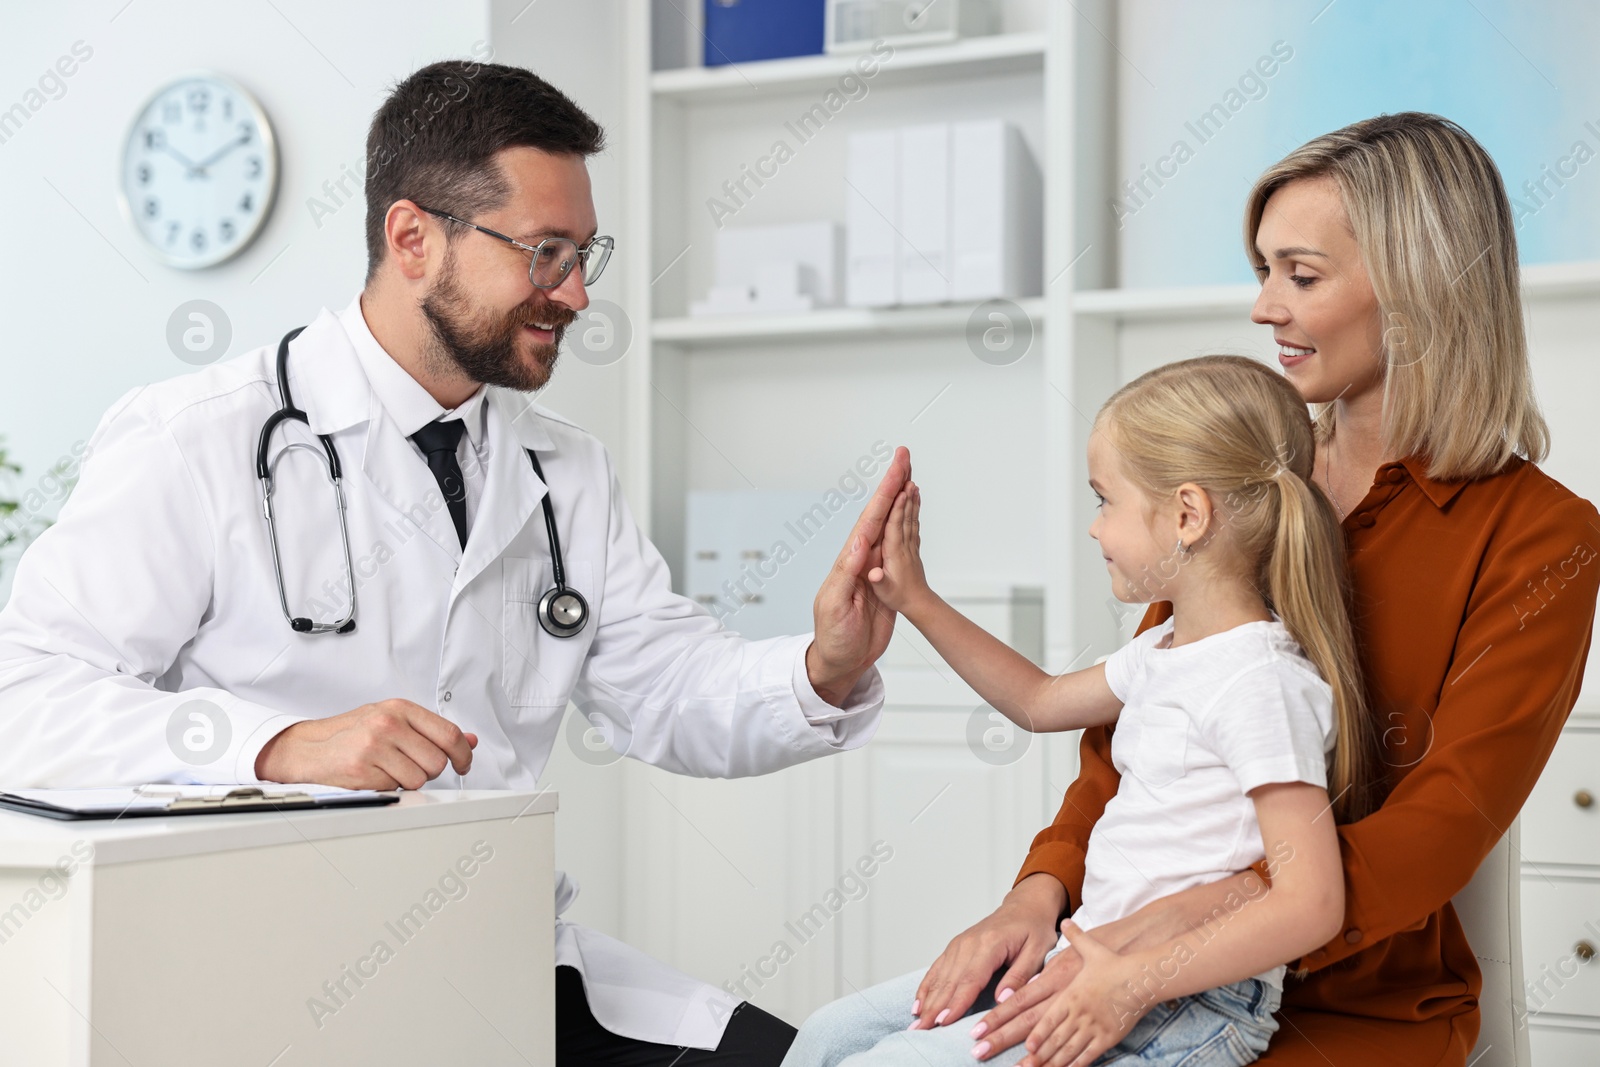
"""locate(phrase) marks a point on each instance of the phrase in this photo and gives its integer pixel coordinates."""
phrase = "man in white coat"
(149, 633)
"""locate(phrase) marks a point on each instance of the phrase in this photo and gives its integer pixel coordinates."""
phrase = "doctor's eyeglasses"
(553, 257)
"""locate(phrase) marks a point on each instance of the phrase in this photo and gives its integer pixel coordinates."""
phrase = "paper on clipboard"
(163, 798)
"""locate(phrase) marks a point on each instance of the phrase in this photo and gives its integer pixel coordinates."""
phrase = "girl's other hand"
(1093, 1013)
(900, 582)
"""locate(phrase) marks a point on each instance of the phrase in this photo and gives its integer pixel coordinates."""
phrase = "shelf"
(1561, 279)
(715, 331)
(1540, 281)
(1176, 302)
(1008, 53)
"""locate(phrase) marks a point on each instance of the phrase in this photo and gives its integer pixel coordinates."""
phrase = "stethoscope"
(562, 611)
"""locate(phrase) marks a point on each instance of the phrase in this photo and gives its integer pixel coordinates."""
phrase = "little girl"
(1235, 720)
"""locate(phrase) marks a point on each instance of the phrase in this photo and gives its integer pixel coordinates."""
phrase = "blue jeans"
(1222, 1027)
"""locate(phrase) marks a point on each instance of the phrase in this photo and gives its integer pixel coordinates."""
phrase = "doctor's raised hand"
(852, 625)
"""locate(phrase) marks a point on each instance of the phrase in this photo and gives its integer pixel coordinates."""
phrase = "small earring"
(1181, 549)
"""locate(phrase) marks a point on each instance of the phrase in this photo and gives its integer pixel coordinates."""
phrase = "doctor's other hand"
(899, 580)
(386, 745)
(852, 627)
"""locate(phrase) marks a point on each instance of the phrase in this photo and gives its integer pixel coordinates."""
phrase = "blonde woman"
(1226, 715)
(1389, 279)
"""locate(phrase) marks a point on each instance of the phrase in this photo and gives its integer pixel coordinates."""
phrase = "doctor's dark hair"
(435, 138)
(1241, 432)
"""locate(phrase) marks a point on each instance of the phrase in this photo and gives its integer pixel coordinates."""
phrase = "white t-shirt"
(1201, 725)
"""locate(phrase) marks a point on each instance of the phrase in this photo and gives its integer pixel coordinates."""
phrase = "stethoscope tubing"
(562, 611)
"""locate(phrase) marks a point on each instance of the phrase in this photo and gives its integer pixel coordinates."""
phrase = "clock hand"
(179, 156)
(219, 153)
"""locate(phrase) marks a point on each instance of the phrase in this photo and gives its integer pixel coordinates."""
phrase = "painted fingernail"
(914, 1023)
(1005, 994)
(1034, 977)
(916, 1006)
(938, 1020)
(979, 1030)
(980, 1050)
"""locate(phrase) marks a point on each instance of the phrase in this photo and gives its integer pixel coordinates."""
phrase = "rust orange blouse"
(1474, 605)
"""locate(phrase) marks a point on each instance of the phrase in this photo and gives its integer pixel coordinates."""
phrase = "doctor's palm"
(853, 626)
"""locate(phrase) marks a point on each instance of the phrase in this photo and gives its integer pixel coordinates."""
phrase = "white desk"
(417, 933)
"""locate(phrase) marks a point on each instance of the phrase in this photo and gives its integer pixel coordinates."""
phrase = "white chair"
(1490, 910)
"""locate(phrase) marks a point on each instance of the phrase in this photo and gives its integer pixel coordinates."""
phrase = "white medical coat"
(155, 587)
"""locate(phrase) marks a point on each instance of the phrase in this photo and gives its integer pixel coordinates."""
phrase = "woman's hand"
(1094, 1012)
(1019, 932)
(900, 582)
(1013, 1019)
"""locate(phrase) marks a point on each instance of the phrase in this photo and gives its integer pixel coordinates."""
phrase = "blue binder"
(739, 31)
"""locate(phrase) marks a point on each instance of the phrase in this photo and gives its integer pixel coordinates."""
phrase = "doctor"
(157, 595)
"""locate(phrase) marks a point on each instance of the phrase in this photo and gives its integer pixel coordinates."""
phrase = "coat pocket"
(1163, 750)
(536, 667)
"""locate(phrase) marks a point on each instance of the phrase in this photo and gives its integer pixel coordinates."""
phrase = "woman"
(1388, 261)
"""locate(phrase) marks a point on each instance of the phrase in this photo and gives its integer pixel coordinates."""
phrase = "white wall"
(85, 307)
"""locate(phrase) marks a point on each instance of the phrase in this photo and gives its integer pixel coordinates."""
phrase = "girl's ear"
(1195, 514)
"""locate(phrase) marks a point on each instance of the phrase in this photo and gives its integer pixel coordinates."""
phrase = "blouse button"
(1366, 520)
(1352, 935)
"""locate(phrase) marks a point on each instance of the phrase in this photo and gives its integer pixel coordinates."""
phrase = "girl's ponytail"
(1307, 584)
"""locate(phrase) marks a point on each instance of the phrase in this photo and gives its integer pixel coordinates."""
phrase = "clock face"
(199, 171)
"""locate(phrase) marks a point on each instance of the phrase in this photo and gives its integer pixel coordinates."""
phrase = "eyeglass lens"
(557, 255)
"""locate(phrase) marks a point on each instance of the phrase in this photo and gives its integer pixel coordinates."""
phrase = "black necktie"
(438, 441)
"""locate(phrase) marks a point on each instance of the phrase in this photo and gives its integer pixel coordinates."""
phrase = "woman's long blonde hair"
(1240, 431)
(1430, 216)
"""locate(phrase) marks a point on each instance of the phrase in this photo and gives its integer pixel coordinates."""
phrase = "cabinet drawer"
(1563, 1047)
(1557, 826)
(1560, 925)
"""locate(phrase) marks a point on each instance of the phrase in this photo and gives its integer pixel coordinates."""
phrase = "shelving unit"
(699, 126)
(999, 451)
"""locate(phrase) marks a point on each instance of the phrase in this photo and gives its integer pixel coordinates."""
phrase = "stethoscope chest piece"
(562, 612)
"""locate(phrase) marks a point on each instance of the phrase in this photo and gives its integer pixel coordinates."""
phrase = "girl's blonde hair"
(1430, 216)
(1240, 431)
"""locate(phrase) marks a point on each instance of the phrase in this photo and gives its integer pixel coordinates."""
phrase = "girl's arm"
(1304, 909)
(1012, 685)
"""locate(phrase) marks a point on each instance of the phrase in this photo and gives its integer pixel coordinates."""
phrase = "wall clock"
(199, 171)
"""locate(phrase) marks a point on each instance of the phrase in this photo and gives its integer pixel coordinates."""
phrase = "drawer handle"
(1584, 950)
(1583, 798)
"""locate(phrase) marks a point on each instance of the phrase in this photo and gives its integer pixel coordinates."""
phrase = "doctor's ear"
(410, 234)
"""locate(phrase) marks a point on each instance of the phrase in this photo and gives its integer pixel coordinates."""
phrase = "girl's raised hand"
(900, 581)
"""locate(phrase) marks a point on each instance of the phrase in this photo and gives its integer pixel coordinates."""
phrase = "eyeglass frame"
(583, 250)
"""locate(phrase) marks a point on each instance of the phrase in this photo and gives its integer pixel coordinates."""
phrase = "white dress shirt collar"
(407, 403)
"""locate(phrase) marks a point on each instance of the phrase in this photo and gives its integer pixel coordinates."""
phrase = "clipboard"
(161, 799)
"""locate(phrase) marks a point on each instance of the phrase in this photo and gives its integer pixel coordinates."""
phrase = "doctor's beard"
(485, 345)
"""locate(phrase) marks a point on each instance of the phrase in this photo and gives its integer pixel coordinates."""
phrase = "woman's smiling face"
(1315, 294)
